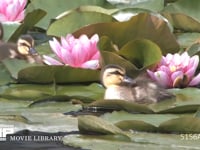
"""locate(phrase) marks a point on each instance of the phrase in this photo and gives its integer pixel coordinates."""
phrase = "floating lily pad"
(142, 53)
(85, 14)
(150, 141)
(26, 91)
(88, 124)
(5, 77)
(13, 66)
(58, 74)
(54, 8)
(152, 5)
(134, 56)
(183, 15)
(141, 26)
(43, 122)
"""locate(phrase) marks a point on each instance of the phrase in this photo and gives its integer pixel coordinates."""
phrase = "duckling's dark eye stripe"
(116, 73)
(24, 44)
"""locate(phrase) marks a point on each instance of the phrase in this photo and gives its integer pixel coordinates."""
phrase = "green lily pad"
(43, 122)
(181, 125)
(26, 91)
(142, 53)
(140, 140)
(186, 40)
(26, 72)
(152, 5)
(5, 77)
(58, 74)
(183, 22)
(141, 26)
(9, 29)
(121, 118)
(54, 8)
(113, 58)
(173, 123)
(186, 101)
(183, 14)
(13, 66)
(191, 8)
(84, 93)
(84, 14)
(91, 124)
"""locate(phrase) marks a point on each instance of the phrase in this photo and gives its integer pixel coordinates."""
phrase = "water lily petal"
(92, 64)
(190, 72)
(176, 59)
(185, 58)
(168, 58)
(195, 81)
(164, 69)
(193, 63)
(163, 79)
(12, 10)
(176, 74)
(51, 61)
(56, 47)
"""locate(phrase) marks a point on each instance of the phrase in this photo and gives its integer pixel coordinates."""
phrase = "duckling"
(22, 50)
(140, 90)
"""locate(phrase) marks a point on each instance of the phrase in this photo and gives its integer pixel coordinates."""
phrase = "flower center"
(173, 68)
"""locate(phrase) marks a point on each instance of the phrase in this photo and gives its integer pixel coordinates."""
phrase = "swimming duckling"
(140, 90)
(24, 49)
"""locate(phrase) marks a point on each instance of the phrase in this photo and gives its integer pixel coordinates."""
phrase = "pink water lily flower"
(12, 10)
(176, 70)
(79, 52)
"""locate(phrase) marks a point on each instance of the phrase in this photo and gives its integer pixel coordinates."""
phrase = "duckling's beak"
(129, 80)
(32, 51)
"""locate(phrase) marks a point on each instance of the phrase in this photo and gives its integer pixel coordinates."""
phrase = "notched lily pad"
(141, 26)
(142, 53)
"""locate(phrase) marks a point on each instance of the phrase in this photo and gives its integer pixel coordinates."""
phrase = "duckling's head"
(113, 75)
(25, 45)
